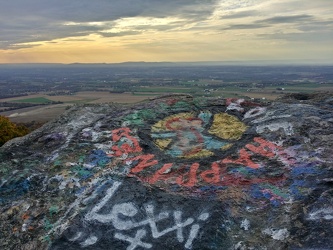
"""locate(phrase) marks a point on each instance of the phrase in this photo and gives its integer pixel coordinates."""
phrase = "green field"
(196, 83)
(165, 90)
(145, 94)
(83, 100)
(36, 100)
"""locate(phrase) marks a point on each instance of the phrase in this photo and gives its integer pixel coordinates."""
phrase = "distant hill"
(172, 64)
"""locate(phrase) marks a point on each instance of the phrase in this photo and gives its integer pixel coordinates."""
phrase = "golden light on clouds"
(183, 31)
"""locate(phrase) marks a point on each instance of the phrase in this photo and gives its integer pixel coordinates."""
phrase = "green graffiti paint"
(80, 171)
(47, 224)
(276, 191)
(181, 105)
(53, 210)
(139, 117)
(57, 163)
(82, 159)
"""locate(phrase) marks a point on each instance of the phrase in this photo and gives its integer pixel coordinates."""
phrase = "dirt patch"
(87, 97)
(269, 96)
(325, 89)
(49, 112)
(38, 114)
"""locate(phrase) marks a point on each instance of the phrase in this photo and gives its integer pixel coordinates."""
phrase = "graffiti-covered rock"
(175, 172)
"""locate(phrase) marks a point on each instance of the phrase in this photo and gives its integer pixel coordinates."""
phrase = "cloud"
(24, 21)
(76, 40)
(245, 26)
(304, 28)
(24, 45)
(287, 19)
(117, 34)
(240, 14)
(317, 26)
(215, 28)
(302, 22)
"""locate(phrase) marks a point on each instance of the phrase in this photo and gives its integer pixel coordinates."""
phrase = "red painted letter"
(117, 134)
(161, 174)
(192, 177)
(244, 159)
(212, 176)
(144, 162)
(265, 148)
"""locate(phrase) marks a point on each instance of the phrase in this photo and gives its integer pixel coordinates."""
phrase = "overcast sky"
(68, 31)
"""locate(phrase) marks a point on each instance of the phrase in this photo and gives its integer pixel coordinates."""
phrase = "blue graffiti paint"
(210, 143)
(81, 172)
(295, 188)
(205, 117)
(98, 158)
(275, 203)
(255, 191)
(80, 191)
(299, 183)
(212, 188)
(14, 189)
(305, 169)
(247, 171)
(164, 135)
(258, 191)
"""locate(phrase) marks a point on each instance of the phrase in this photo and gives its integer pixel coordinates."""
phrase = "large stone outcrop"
(173, 173)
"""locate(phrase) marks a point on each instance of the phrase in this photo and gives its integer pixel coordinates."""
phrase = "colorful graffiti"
(233, 152)
(240, 171)
(197, 135)
(188, 135)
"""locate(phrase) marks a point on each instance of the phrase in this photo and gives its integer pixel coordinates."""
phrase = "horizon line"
(239, 62)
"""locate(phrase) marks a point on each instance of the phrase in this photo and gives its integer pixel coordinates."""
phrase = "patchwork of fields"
(50, 106)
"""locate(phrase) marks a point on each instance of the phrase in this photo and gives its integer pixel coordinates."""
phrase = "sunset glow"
(118, 31)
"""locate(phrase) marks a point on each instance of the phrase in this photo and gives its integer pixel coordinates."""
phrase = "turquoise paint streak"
(164, 135)
(210, 143)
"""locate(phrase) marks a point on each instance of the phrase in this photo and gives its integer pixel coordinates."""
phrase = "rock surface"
(173, 173)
